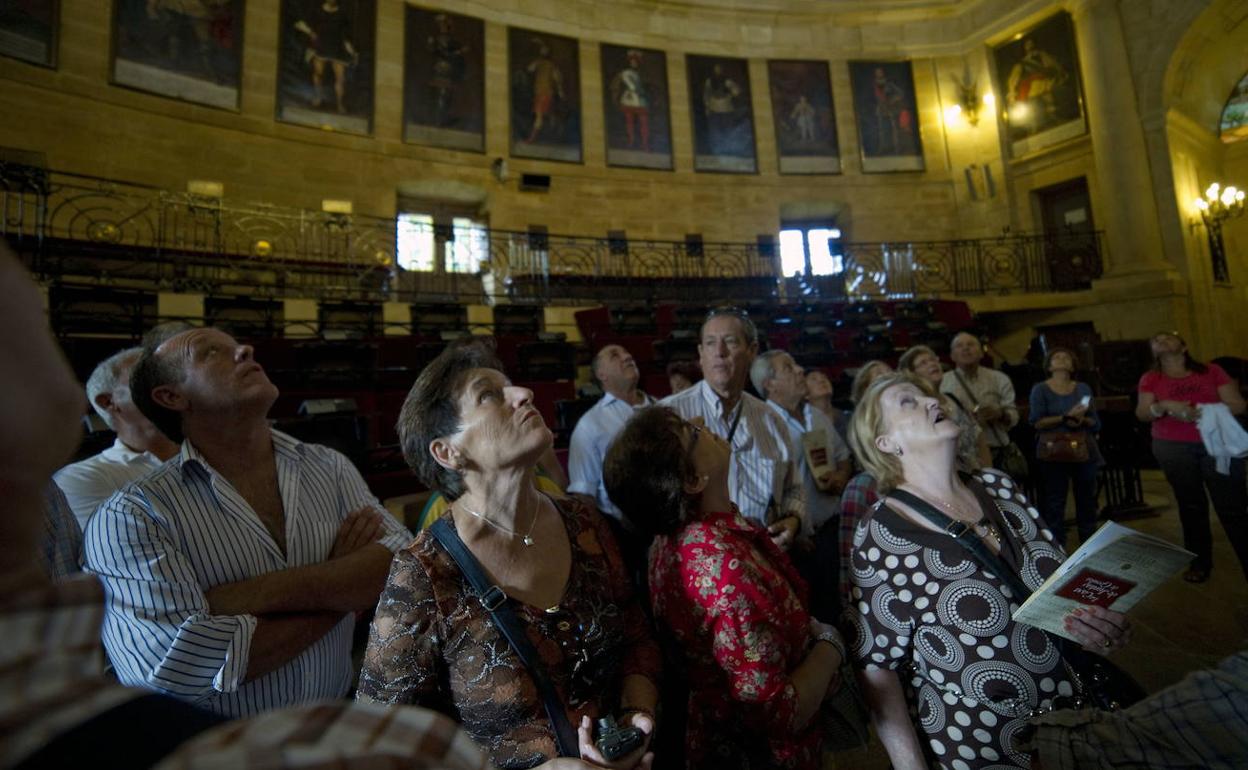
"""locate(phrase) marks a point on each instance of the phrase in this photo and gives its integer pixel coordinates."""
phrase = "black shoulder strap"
(996, 433)
(495, 602)
(958, 376)
(1071, 652)
(732, 431)
(966, 537)
(955, 400)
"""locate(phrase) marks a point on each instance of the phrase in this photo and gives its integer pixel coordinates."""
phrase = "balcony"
(77, 229)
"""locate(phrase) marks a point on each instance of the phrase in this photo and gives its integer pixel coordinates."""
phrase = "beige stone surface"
(1181, 59)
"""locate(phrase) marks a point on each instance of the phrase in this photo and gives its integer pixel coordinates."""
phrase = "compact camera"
(615, 741)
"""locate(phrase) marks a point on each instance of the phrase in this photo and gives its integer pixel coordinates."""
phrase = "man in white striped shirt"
(233, 572)
(763, 479)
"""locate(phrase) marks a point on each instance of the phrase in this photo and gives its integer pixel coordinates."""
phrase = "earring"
(899, 452)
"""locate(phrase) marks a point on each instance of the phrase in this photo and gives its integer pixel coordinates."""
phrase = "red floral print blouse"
(736, 608)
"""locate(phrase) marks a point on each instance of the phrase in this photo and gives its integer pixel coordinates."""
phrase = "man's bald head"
(965, 350)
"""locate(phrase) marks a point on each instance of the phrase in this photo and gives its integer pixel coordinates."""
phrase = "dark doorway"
(1071, 246)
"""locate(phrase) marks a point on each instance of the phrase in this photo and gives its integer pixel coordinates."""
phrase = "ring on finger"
(1107, 643)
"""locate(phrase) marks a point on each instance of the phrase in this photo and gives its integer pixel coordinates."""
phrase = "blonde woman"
(950, 678)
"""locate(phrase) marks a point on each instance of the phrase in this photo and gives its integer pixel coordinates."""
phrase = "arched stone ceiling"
(1209, 60)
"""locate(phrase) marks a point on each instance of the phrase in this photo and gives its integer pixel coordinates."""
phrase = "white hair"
(107, 376)
(764, 369)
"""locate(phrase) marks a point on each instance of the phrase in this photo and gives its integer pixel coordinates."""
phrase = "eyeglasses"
(735, 312)
(749, 330)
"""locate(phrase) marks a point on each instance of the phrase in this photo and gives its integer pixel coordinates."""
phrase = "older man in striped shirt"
(763, 479)
(233, 572)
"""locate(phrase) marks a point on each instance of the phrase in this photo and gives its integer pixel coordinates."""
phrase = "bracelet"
(833, 638)
(1155, 412)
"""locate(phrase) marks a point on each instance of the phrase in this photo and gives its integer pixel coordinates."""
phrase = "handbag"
(1007, 457)
(497, 603)
(1099, 682)
(1010, 458)
(1063, 446)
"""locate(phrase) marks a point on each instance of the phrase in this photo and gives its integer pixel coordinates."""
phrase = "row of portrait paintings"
(192, 50)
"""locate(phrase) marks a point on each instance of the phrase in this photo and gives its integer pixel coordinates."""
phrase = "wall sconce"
(967, 105)
(1219, 204)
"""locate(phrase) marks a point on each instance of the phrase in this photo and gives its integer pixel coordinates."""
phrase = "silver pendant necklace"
(526, 538)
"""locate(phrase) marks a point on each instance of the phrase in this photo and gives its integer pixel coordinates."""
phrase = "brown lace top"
(433, 645)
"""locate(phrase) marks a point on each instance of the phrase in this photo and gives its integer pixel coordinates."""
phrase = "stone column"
(1127, 208)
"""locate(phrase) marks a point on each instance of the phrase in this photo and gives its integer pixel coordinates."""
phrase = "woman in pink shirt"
(1170, 398)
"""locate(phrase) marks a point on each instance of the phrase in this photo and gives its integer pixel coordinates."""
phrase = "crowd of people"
(713, 587)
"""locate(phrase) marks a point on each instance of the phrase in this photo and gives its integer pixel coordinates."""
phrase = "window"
(469, 249)
(810, 250)
(428, 245)
(415, 241)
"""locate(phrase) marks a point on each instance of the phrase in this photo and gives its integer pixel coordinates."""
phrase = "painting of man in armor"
(888, 115)
(444, 84)
(635, 107)
(1038, 79)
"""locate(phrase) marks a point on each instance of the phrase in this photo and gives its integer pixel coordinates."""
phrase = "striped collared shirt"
(764, 467)
(591, 438)
(160, 543)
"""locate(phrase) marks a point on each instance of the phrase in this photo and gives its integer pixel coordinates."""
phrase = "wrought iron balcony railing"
(79, 228)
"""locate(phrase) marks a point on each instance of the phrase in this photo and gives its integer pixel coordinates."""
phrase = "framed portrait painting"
(28, 30)
(723, 116)
(1037, 77)
(636, 117)
(186, 50)
(444, 80)
(545, 75)
(326, 55)
(887, 114)
(801, 109)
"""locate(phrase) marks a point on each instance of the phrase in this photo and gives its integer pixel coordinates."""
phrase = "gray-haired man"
(138, 450)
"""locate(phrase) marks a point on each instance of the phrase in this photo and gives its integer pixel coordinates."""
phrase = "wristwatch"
(1156, 410)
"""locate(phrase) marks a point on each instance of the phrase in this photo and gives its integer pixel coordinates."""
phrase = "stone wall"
(83, 124)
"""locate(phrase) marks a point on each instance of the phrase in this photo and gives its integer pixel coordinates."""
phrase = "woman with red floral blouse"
(758, 665)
